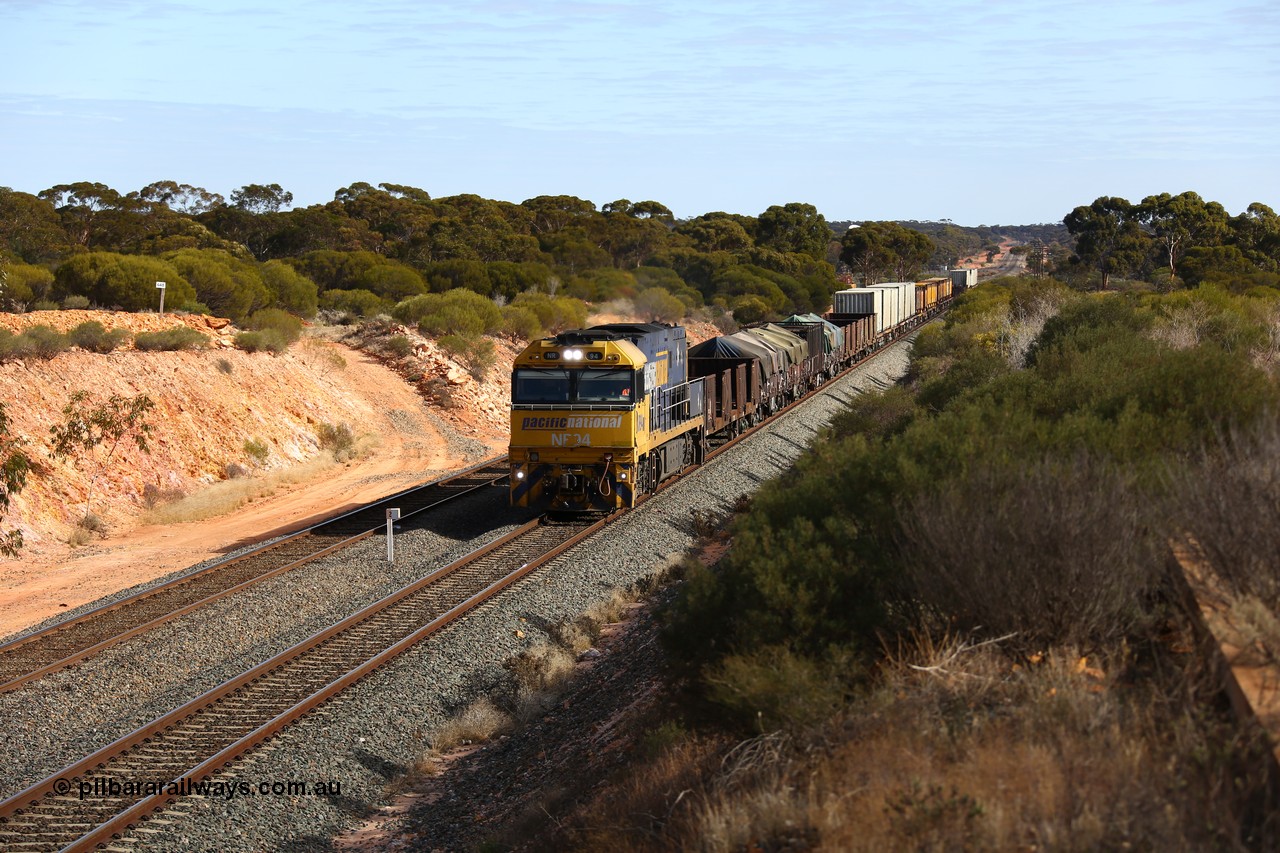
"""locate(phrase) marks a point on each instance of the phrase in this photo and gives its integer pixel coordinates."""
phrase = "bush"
(153, 495)
(1229, 502)
(268, 341)
(43, 342)
(773, 688)
(457, 312)
(75, 303)
(337, 439)
(554, 313)
(361, 303)
(292, 290)
(44, 305)
(127, 281)
(92, 336)
(285, 324)
(171, 340)
(231, 287)
(398, 345)
(257, 450)
(521, 322)
(25, 284)
(1055, 552)
(658, 304)
(224, 366)
(475, 354)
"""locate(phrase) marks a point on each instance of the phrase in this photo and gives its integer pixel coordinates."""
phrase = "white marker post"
(160, 287)
(393, 515)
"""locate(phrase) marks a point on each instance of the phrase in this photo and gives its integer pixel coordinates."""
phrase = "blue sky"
(979, 112)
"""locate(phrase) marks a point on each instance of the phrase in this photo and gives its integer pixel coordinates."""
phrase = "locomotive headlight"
(519, 475)
(573, 355)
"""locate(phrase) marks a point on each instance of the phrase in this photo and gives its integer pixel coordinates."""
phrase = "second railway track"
(195, 740)
(65, 643)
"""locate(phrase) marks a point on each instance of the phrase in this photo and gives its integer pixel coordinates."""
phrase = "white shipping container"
(892, 303)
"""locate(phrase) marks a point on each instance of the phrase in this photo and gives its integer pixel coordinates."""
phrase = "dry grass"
(233, 493)
(229, 495)
(959, 748)
(1229, 501)
(479, 722)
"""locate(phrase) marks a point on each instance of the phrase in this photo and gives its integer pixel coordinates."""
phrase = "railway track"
(80, 808)
(89, 803)
(38, 654)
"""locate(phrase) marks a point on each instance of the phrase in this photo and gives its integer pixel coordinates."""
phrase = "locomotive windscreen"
(540, 386)
(581, 385)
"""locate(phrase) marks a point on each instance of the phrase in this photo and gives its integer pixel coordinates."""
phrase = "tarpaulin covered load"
(793, 348)
(742, 345)
(833, 334)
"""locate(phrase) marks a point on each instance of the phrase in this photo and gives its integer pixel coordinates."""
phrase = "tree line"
(1172, 241)
(374, 246)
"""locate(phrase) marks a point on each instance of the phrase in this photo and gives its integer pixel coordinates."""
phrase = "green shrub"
(361, 303)
(228, 285)
(555, 313)
(43, 305)
(257, 450)
(170, 340)
(43, 342)
(876, 415)
(773, 687)
(657, 304)
(24, 284)
(92, 336)
(457, 312)
(267, 341)
(285, 324)
(292, 290)
(475, 354)
(339, 440)
(75, 302)
(398, 345)
(127, 281)
(521, 322)
(224, 366)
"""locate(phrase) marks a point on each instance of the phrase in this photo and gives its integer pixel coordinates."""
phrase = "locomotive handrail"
(577, 407)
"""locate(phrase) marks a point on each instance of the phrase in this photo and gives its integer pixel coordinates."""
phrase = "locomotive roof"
(613, 332)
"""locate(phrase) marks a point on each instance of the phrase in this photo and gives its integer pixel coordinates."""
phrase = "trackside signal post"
(393, 515)
(160, 287)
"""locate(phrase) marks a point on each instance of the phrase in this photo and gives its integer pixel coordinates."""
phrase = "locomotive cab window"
(590, 385)
(540, 386)
(606, 386)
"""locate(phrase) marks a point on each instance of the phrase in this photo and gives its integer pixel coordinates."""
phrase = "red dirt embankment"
(207, 405)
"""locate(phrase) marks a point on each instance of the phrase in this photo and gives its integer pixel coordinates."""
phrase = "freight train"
(601, 416)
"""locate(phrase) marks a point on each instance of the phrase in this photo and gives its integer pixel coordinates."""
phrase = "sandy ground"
(407, 452)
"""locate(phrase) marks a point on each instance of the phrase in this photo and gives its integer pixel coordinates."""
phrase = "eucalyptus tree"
(1178, 222)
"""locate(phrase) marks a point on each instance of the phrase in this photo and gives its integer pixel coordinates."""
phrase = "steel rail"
(56, 790)
(48, 790)
(75, 649)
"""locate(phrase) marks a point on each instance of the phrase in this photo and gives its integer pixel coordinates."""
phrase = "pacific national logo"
(603, 421)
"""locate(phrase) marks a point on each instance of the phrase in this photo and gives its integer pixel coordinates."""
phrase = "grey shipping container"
(861, 300)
